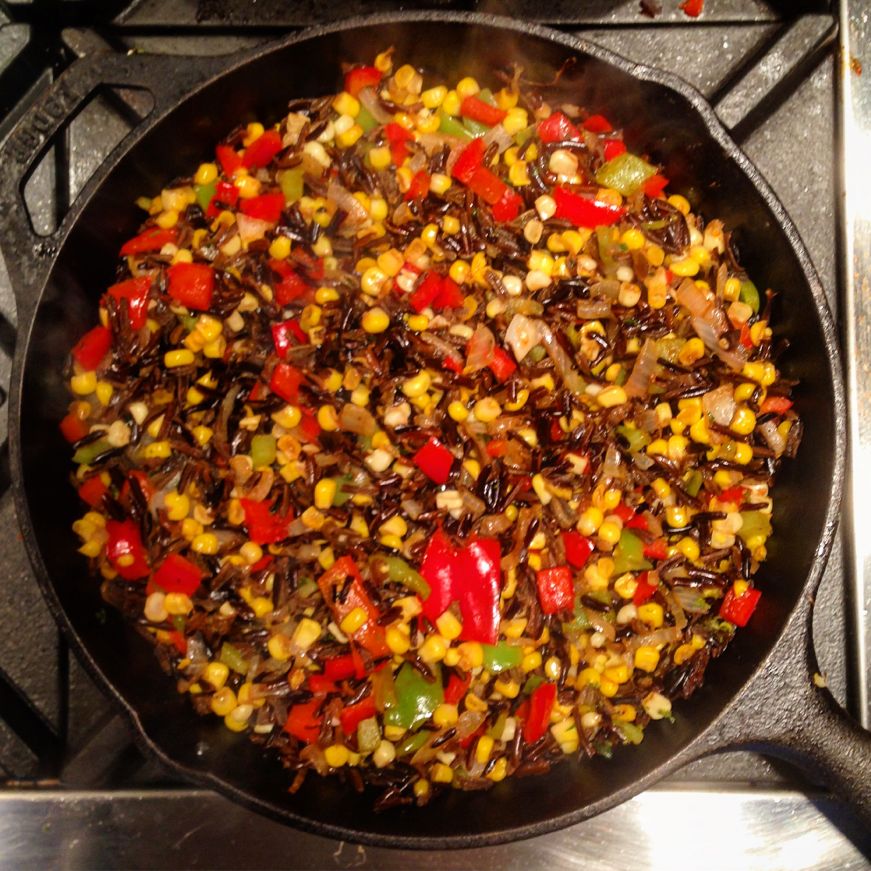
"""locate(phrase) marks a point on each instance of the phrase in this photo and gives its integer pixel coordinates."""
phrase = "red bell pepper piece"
(732, 494)
(497, 448)
(502, 365)
(426, 292)
(303, 721)
(291, 285)
(266, 207)
(449, 295)
(655, 185)
(614, 148)
(487, 185)
(261, 564)
(286, 334)
(541, 704)
(438, 568)
(361, 77)
(643, 589)
(745, 338)
(630, 519)
(178, 575)
(191, 284)
(477, 585)
(557, 128)
(453, 364)
(578, 548)
(476, 109)
(320, 685)
(263, 526)
(435, 461)
(738, 609)
(226, 196)
(456, 688)
(92, 491)
(309, 428)
(73, 428)
(583, 212)
(89, 351)
(152, 239)
(312, 267)
(341, 668)
(343, 590)
(178, 641)
(143, 483)
(397, 136)
(597, 124)
(261, 151)
(419, 186)
(507, 208)
(125, 551)
(556, 589)
(135, 291)
(624, 512)
(469, 161)
(353, 715)
(229, 159)
(656, 549)
(285, 382)
(771, 405)
(692, 8)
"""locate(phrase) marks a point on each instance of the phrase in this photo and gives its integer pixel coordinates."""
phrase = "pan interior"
(657, 120)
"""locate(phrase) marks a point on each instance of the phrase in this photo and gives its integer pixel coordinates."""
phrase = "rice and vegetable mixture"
(427, 437)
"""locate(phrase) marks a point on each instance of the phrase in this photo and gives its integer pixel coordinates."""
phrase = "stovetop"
(73, 785)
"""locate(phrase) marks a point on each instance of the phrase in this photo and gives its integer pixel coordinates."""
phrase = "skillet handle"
(27, 255)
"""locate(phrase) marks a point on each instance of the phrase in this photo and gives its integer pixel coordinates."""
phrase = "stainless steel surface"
(659, 830)
(856, 203)
(769, 69)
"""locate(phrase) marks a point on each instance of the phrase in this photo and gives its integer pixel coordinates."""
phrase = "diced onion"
(638, 382)
(522, 336)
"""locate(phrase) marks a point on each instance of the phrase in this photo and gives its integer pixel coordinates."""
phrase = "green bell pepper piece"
(475, 127)
(486, 96)
(625, 173)
(412, 743)
(368, 735)
(416, 699)
(501, 656)
(537, 354)
(232, 657)
(263, 450)
(533, 682)
(754, 523)
(632, 733)
(669, 349)
(88, 453)
(342, 495)
(749, 294)
(636, 438)
(693, 482)
(629, 554)
(204, 194)
(365, 119)
(607, 246)
(400, 572)
(291, 183)
(450, 126)
(522, 136)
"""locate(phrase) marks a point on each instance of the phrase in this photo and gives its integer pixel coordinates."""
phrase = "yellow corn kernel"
(625, 586)
(685, 268)
(691, 352)
(609, 533)
(417, 385)
(518, 174)
(487, 409)
(440, 183)
(206, 173)
(590, 520)
(84, 383)
(471, 655)
(223, 702)
(731, 289)
(689, 547)
(743, 421)
(251, 552)
(588, 677)
(633, 239)
(442, 773)
(205, 543)
(336, 755)
(646, 658)
(172, 359)
(680, 203)
(327, 418)
(345, 104)
(261, 606)
(433, 649)
(398, 640)
(448, 626)
(611, 396)
(160, 450)
(651, 613)
(683, 653)
(699, 431)
(216, 674)
(375, 320)
(306, 633)
(474, 703)
(280, 647)
(178, 505)
(617, 673)
(608, 688)
(677, 516)
(279, 248)
(677, 447)
(445, 716)
(190, 528)
(483, 749)
(349, 137)
(743, 453)
(432, 98)
(167, 219)
(451, 225)
(458, 411)
(104, 391)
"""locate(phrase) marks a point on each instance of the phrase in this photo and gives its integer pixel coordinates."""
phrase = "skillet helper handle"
(27, 255)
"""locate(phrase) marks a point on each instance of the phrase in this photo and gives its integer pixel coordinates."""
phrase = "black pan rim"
(694, 748)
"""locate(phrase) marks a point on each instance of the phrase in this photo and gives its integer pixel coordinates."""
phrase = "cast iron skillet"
(758, 695)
